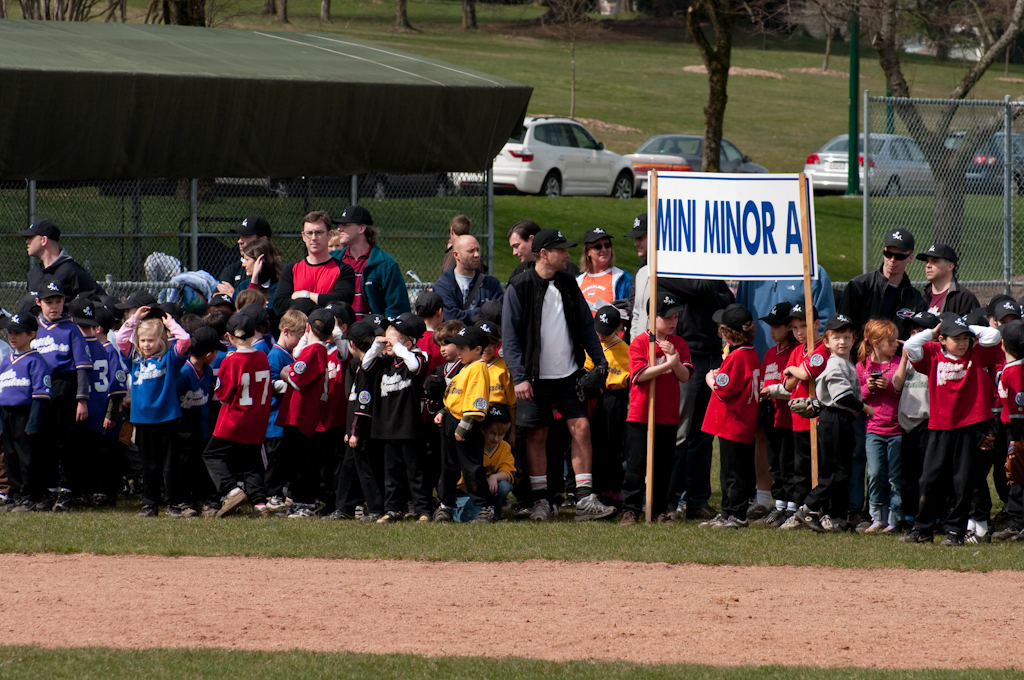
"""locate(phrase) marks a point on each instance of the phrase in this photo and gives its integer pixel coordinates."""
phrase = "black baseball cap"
(939, 250)
(470, 336)
(320, 320)
(172, 308)
(83, 312)
(378, 320)
(257, 312)
(607, 320)
(497, 413)
(1001, 305)
(354, 214)
(304, 305)
(491, 329)
(596, 234)
(922, 320)
(838, 322)
(410, 325)
(797, 311)
(253, 226)
(1013, 338)
(221, 299)
(639, 227)
(361, 333)
(50, 287)
(977, 317)
(428, 303)
(19, 323)
(241, 326)
(735, 316)
(899, 238)
(342, 312)
(205, 339)
(106, 316)
(140, 298)
(778, 314)
(550, 239)
(954, 326)
(669, 306)
(489, 311)
(109, 302)
(41, 228)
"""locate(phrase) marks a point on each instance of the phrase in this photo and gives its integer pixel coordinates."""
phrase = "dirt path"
(549, 610)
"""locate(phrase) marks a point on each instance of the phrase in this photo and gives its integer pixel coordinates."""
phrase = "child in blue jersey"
(24, 391)
(195, 388)
(217, 319)
(61, 343)
(261, 317)
(106, 385)
(112, 455)
(292, 328)
(155, 408)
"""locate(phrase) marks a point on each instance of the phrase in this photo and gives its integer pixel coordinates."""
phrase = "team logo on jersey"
(817, 360)
(119, 376)
(364, 397)
(721, 380)
(217, 385)
(480, 404)
(1019, 398)
(47, 382)
(904, 313)
(300, 367)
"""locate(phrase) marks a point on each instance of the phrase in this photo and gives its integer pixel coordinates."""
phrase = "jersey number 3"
(247, 379)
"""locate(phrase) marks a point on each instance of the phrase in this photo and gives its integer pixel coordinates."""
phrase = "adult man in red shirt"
(318, 276)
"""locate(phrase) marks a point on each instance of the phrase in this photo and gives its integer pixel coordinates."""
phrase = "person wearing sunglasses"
(887, 292)
(599, 279)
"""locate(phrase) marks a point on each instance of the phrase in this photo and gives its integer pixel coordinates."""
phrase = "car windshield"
(671, 146)
(841, 145)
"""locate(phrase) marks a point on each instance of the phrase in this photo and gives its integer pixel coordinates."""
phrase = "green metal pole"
(853, 165)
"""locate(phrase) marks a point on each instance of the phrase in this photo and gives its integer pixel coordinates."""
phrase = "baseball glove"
(1015, 463)
(590, 384)
(806, 407)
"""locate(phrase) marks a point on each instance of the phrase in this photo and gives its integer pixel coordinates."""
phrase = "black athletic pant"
(161, 462)
(432, 456)
(303, 463)
(736, 476)
(465, 458)
(634, 482)
(328, 445)
(274, 476)
(62, 462)
(197, 485)
(913, 448)
(358, 479)
(780, 461)
(831, 496)
(991, 459)
(951, 468)
(20, 454)
(1015, 506)
(403, 469)
(230, 461)
(607, 438)
(800, 484)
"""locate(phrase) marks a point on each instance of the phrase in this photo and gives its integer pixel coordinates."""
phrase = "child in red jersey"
(671, 366)
(1011, 393)
(802, 368)
(301, 408)
(960, 398)
(778, 423)
(244, 390)
(732, 414)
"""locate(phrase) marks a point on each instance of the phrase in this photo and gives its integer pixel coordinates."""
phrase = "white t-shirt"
(464, 283)
(556, 355)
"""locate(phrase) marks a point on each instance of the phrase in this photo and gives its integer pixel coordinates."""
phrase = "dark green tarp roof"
(85, 101)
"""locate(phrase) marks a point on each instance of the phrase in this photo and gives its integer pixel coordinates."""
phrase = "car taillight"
(524, 156)
(985, 160)
(871, 162)
(661, 167)
(813, 159)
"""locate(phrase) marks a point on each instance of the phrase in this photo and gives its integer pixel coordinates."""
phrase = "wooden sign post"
(805, 239)
(652, 269)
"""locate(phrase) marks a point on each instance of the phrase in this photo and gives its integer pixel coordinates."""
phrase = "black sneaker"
(24, 505)
(337, 515)
(1006, 534)
(443, 514)
(952, 540)
(147, 511)
(64, 501)
(486, 516)
(774, 518)
(973, 537)
(174, 511)
(917, 536)
(809, 519)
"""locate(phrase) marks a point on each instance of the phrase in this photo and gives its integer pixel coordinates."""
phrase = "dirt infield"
(650, 613)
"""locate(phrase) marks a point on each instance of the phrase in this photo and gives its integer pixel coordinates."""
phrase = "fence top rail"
(959, 102)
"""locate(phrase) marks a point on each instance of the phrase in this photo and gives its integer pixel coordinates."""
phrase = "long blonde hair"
(161, 332)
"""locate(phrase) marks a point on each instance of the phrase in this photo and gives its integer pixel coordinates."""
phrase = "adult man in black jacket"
(42, 240)
(885, 293)
(944, 292)
(546, 330)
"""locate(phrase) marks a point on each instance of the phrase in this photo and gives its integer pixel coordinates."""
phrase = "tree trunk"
(269, 8)
(717, 60)
(469, 14)
(828, 51)
(402, 15)
(282, 11)
(948, 213)
(325, 11)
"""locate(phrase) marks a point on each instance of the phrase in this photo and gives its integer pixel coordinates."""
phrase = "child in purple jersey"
(24, 390)
(62, 344)
(195, 384)
(113, 455)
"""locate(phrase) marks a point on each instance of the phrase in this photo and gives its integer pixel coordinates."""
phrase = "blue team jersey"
(63, 345)
(155, 387)
(264, 344)
(279, 358)
(107, 378)
(23, 377)
(194, 393)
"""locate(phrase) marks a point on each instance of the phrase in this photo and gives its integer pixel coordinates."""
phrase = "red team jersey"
(245, 393)
(336, 411)
(308, 389)
(1011, 391)
(771, 374)
(735, 399)
(431, 350)
(666, 403)
(960, 389)
(814, 364)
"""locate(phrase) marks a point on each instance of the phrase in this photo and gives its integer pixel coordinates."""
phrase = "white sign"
(738, 226)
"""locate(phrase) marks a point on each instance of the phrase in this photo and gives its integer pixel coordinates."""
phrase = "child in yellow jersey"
(608, 419)
(502, 389)
(462, 441)
(499, 465)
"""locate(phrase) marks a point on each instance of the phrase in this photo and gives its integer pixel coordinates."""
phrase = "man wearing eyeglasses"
(885, 293)
(318, 276)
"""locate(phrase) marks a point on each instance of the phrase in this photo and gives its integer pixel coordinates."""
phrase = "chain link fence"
(113, 227)
(947, 171)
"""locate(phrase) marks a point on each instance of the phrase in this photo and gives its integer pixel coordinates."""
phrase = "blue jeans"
(885, 477)
(466, 511)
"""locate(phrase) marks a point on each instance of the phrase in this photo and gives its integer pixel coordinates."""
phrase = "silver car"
(684, 153)
(896, 166)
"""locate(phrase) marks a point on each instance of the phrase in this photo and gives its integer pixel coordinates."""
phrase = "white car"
(558, 156)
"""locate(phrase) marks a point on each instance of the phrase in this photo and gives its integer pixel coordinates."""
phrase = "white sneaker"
(792, 524)
(541, 511)
(231, 502)
(590, 508)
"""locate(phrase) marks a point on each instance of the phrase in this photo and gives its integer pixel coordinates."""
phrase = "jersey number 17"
(247, 379)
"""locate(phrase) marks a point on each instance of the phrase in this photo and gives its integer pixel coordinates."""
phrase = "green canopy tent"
(91, 101)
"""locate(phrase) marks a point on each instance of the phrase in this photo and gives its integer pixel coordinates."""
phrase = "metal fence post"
(354, 191)
(489, 210)
(193, 211)
(865, 210)
(1007, 202)
(31, 201)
